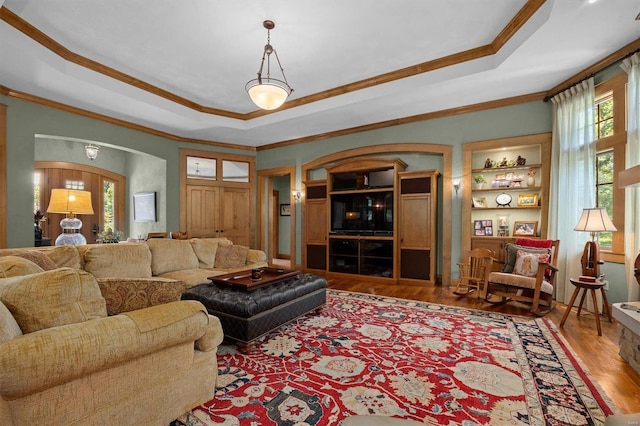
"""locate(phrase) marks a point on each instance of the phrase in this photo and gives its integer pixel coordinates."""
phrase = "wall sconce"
(297, 195)
(456, 184)
(91, 151)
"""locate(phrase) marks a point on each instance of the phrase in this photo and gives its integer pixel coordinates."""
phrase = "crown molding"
(523, 15)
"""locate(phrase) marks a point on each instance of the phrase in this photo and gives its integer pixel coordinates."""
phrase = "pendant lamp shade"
(266, 92)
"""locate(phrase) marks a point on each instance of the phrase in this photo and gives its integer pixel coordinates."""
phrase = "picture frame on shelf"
(479, 202)
(483, 228)
(525, 228)
(527, 200)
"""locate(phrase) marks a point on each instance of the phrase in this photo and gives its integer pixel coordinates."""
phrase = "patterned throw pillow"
(527, 263)
(39, 258)
(125, 295)
(232, 256)
(512, 250)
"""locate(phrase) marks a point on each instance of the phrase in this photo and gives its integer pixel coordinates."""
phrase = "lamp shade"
(270, 94)
(70, 201)
(594, 220)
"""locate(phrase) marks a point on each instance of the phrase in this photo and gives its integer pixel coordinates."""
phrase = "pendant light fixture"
(92, 151)
(266, 92)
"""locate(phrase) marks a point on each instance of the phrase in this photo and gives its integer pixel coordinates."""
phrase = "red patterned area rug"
(436, 364)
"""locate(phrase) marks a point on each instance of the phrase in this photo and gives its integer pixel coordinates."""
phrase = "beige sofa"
(132, 274)
(63, 360)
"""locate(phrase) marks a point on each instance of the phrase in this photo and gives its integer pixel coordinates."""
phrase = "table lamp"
(593, 220)
(70, 202)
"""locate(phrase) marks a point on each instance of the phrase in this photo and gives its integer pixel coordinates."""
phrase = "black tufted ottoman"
(247, 315)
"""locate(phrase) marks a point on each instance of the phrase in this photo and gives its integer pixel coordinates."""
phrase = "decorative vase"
(479, 185)
(531, 181)
(37, 231)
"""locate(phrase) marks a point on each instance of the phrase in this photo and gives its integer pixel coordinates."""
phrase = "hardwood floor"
(599, 354)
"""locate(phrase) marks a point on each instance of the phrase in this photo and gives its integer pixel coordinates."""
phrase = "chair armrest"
(50, 357)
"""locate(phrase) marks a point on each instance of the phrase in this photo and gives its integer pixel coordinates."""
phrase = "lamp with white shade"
(70, 202)
(593, 220)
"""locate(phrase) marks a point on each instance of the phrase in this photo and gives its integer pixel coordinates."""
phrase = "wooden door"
(202, 211)
(273, 249)
(235, 215)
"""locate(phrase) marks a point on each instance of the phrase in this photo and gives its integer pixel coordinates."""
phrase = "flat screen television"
(362, 213)
(381, 178)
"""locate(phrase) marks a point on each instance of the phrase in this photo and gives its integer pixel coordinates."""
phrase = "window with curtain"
(610, 138)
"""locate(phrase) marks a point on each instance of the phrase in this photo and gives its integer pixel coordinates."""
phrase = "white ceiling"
(204, 51)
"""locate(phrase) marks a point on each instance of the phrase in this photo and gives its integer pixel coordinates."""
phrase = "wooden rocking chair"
(474, 272)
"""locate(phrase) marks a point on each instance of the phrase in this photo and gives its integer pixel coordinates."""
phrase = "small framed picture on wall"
(144, 207)
(285, 209)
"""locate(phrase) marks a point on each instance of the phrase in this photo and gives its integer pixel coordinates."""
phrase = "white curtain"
(632, 195)
(573, 178)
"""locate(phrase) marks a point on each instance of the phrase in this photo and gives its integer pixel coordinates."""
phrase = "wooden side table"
(585, 286)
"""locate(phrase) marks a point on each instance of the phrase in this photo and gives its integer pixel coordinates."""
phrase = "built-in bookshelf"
(505, 190)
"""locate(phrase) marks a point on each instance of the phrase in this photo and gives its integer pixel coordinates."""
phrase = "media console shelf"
(361, 255)
(379, 221)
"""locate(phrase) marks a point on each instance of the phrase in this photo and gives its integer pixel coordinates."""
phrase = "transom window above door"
(201, 168)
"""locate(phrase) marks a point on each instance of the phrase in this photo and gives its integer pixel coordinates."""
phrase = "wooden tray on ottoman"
(245, 280)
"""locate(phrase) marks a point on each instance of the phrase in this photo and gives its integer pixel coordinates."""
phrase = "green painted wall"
(25, 120)
(517, 120)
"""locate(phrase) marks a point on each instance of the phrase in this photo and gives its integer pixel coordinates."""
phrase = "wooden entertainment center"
(371, 217)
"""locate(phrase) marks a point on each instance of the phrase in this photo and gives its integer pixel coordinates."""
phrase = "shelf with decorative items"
(507, 184)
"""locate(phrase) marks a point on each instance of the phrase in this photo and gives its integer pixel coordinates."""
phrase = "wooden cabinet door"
(235, 215)
(415, 221)
(316, 221)
(496, 244)
(417, 225)
(202, 211)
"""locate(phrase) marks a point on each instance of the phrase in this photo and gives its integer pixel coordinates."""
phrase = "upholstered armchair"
(528, 275)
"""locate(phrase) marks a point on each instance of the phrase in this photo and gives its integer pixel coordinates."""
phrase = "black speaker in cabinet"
(415, 264)
(316, 257)
(415, 185)
(316, 192)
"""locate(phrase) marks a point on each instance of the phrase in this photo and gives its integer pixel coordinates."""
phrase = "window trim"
(616, 143)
